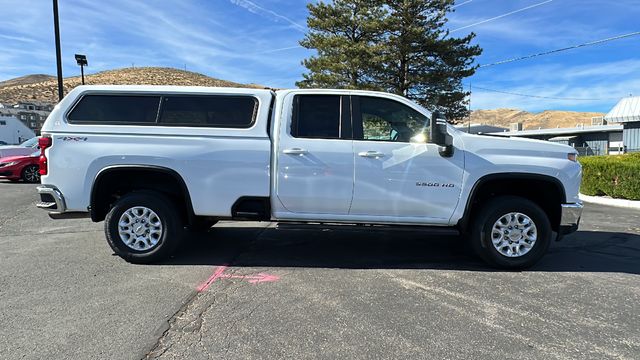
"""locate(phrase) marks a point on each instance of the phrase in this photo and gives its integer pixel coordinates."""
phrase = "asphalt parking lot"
(263, 290)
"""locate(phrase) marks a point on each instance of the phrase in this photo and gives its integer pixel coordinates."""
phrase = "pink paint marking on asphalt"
(253, 279)
(216, 274)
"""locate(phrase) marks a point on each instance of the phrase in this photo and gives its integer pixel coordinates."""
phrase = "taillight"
(44, 143)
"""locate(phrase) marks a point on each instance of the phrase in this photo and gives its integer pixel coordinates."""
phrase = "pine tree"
(422, 62)
(348, 36)
(400, 46)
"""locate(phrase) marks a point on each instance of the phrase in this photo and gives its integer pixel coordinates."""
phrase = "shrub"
(617, 176)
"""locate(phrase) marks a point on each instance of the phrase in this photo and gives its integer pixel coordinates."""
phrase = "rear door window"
(316, 116)
(211, 111)
(115, 109)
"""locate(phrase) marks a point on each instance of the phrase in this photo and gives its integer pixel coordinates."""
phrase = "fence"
(587, 151)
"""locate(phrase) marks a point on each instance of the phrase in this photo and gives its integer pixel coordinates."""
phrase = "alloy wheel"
(514, 234)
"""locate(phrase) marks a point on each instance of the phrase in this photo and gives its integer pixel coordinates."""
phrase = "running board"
(69, 215)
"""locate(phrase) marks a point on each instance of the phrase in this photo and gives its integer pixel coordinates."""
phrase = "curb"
(629, 204)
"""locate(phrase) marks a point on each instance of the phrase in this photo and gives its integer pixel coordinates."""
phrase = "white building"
(14, 131)
(627, 113)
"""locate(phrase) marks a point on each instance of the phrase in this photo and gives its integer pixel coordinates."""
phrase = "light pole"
(56, 28)
(82, 61)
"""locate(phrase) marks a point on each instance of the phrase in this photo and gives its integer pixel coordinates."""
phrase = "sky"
(256, 41)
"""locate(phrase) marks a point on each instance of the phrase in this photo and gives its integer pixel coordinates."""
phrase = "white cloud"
(461, 4)
(257, 9)
(608, 93)
(280, 49)
(614, 68)
(17, 38)
(118, 33)
(555, 72)
(500, 16)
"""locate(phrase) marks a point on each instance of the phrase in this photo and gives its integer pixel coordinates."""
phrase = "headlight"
(572, 156)
(9, 163)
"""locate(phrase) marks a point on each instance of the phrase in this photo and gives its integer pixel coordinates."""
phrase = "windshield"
(33, 142)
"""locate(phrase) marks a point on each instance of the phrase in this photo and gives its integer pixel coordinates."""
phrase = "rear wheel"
(511, 232)
(31, 174)
(143, 227)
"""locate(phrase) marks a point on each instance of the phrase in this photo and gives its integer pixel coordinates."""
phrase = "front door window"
(388, 120)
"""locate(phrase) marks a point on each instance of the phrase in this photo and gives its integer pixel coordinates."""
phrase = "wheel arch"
(544, 190)
(112, 178)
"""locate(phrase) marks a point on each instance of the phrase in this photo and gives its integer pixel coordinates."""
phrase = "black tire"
(167, 242)
(202, 224)
(481, 232)
(31, 174)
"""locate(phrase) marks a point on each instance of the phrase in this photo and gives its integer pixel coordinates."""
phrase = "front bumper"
(9, 173)
(52, 199)
(570, 218)
(13, 171)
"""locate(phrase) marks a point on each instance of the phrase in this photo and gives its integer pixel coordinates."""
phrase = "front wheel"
(511, 233)
(143, 227)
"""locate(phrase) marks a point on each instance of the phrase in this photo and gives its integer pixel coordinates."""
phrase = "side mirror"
(439, 134)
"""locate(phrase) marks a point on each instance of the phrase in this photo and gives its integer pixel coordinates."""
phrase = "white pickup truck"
(154, 160)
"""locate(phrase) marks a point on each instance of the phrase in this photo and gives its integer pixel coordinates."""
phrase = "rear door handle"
(295, 151)
(371, 154)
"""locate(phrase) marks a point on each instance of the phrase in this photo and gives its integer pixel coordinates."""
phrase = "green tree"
(422, 62)
(404, 48)
(348, 36)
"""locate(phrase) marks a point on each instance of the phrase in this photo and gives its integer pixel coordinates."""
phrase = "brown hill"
(29, 79)
(14, 90)
(546, 119)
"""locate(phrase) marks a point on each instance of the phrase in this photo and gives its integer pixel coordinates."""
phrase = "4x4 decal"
(73, 138)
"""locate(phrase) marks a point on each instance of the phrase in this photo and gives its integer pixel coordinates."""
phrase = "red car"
(23, 167)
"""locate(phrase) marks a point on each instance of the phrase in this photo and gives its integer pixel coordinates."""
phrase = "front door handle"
(371, 154)
(295, 151)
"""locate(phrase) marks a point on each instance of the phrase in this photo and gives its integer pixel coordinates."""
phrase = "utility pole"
(469, 124)
(56, 27)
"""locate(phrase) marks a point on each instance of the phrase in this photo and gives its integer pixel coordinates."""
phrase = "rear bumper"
(570, 218)
(51, 199)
